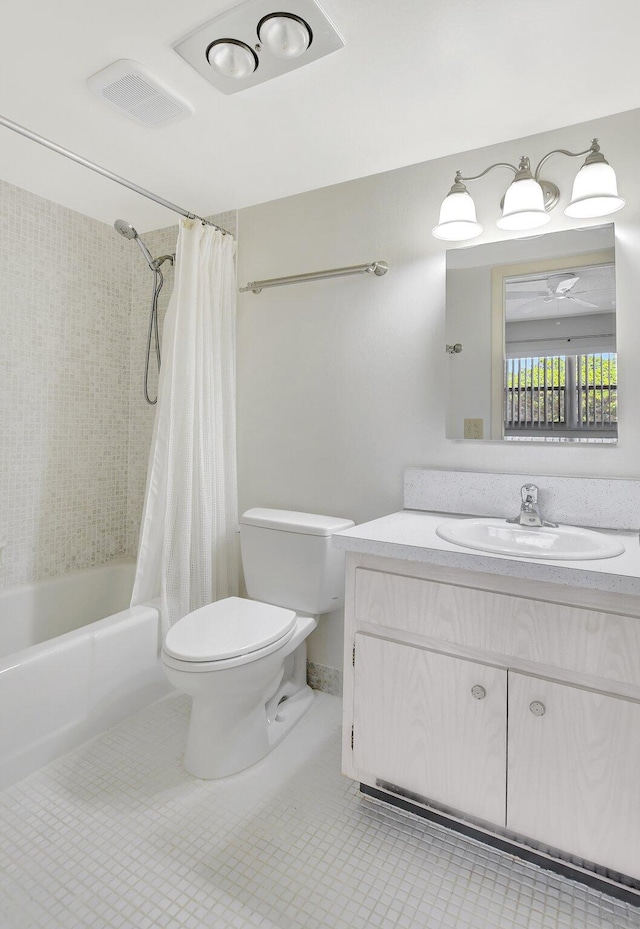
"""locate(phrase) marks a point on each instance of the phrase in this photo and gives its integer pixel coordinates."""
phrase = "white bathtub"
(73, 661)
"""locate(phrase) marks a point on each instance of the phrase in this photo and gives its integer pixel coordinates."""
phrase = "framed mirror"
(531, 336)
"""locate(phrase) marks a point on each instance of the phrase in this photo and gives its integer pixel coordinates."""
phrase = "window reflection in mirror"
(536, 318)
(560, 369)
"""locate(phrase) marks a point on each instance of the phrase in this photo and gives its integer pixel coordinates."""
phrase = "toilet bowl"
(229, 657)
(243, 662)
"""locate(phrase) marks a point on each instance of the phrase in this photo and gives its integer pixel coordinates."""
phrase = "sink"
(563, 543)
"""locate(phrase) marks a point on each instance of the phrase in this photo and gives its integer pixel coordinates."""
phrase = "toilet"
(244, 662)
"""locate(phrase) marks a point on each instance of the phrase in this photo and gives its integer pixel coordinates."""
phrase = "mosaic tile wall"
(319, 677)
(65, 305)
(159, 242)
(75, 428)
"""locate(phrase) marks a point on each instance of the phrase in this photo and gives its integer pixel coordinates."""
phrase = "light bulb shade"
(457, 218)
(595, 192)
(232, 58)
(523, 206)
(284, 35)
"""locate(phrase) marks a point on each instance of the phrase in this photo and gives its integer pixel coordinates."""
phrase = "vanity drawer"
(591, 642)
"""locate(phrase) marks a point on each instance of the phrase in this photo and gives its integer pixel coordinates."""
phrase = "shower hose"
(158, 281)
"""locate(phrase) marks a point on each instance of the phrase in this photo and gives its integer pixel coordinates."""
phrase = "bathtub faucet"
(529, 514)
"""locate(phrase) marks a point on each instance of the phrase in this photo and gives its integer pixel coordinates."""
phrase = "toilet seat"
(227, 633)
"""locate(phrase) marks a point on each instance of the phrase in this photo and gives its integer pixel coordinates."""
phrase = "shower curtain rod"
(378, 267)
(22, 130)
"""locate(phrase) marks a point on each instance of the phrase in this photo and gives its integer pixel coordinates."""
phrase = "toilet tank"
(288, 559)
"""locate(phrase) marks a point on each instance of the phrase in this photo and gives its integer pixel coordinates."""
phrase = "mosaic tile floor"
(116, 834)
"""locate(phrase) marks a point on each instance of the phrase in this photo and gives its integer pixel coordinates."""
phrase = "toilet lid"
(227, 628)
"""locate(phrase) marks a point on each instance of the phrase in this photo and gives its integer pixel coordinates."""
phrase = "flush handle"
(537, 708)
(478, 692)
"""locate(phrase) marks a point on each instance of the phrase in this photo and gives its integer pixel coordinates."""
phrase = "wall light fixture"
(529, 198)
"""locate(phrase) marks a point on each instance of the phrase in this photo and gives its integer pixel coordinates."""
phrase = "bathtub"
(73, 661)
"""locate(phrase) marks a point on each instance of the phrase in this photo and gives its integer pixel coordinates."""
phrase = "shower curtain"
(188, 552)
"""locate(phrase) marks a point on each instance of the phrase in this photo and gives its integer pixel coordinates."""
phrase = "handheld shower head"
(126, 229)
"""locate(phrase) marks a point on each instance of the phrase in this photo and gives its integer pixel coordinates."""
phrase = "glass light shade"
(284, 36)
(232, 58)
(523, 206)
(595, 192)
(457, 218)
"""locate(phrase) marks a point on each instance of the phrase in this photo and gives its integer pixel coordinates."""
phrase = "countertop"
(410, 535)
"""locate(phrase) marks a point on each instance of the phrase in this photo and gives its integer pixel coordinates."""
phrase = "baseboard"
(629, 891)
(328, 680)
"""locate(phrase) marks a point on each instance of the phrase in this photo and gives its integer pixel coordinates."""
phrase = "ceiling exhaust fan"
(558, 288)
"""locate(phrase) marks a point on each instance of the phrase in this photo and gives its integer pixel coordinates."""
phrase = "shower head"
(126, 229)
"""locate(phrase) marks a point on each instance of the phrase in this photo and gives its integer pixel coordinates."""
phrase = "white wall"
(468, 373)
(341, 383)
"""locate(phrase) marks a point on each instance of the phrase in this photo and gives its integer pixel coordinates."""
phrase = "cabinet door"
(573, 771)
(418, 726)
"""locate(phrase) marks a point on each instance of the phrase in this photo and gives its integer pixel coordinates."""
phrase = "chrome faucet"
(529, 514)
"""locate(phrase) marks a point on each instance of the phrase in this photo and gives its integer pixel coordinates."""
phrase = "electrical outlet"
(474, 428)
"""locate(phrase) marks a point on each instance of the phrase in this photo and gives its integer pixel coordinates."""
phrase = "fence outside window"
(562, 395)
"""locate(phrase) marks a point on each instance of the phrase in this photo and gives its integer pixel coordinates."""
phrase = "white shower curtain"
(188, 553)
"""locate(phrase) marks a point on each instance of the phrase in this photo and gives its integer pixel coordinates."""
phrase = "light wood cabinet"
(551, 751)
(574, 757)
(419, 725)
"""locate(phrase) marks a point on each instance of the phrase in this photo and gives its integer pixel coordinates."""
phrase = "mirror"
(531, 339)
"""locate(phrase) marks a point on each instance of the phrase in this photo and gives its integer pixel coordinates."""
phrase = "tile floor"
(116, 834)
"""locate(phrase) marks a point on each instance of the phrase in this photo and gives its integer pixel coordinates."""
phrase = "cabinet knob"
(537, 708)
(478, 692)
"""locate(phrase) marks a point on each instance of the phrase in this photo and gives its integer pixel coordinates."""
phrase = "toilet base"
(235, 728)
(289, 711)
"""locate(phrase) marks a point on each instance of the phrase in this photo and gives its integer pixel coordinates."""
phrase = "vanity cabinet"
(574, 758)
(513, 704)
(426, 721)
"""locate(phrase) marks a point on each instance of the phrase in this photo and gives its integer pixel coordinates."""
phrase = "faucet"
(529, 514)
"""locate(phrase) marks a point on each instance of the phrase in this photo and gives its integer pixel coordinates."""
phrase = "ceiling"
(416, 80)
(581, 291)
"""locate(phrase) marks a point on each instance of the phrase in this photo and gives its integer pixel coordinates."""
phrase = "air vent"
(132, 91)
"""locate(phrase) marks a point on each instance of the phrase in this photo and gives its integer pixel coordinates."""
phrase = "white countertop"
(410, 535)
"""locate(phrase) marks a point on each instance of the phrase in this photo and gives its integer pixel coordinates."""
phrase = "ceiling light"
(232, 58)
(284, 35)
(252, 42)
(528, 199)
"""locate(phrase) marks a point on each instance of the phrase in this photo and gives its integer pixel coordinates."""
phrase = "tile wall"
(74, 426)
(65, 306)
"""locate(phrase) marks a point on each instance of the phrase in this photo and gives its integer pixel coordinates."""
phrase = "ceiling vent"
(132, 91)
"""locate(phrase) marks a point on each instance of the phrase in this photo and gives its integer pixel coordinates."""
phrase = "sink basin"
(564, 543)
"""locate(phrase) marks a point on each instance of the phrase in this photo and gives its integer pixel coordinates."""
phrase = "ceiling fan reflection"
(558, 288)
